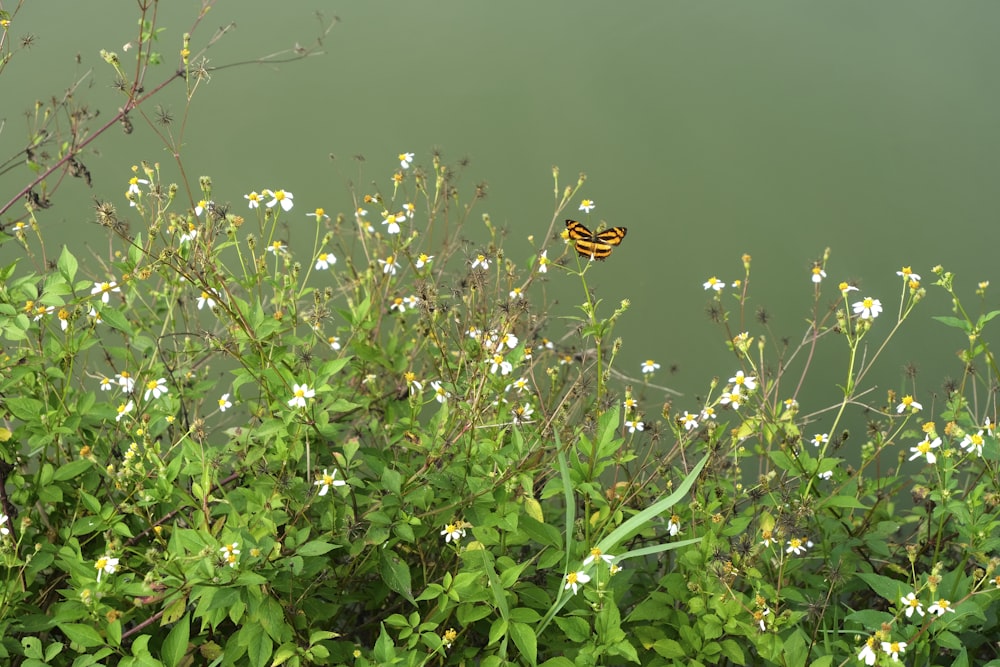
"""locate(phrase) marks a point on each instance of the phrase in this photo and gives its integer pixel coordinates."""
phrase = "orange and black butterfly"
(594, 245)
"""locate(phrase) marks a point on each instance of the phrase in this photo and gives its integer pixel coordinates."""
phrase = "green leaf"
(868, 618)
(72, 469)
(641, 520)
(175, 645)
(315, 548)
(395, 573)
(525, 640)
(987, 317)
(25, 408)
(67, 265)
(174, 610)
(32, 647)
(116, 320)
(392, 481)
(947, 320)
(575, 628)
(542, 533)
(669, 648)
(525, 615)
(623, 647)
(82, 635)
(497, 630)
(890, 589)
(259, 646)
(114, 633)
(385, 650)
(733, 652)
(843, 501)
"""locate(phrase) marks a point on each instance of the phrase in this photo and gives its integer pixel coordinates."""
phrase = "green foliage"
(273, 439)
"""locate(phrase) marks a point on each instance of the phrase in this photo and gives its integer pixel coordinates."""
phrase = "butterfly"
(594, 245)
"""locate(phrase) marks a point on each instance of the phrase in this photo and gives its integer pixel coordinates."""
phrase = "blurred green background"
(709, 129)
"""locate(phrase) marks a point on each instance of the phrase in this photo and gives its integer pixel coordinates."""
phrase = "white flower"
(911, 603)
(674, 525)
(411, 380)
(123, 410)
(253, 199)
(439, 393)
(597, 554)
(453, 531)
(206, 300)
(190, 235)
(230, 553)
(973, 442)
(334, 342)
(797, 546)
(4, 530)
(481, 262)
(818, 274)
(319, 214)
(649, 366)
(508, 339)
(105, 289)
(587, 205)
(134, 182)
(325, 260)
(689, 421)
(924, 448)
(326, 480)
(907, 403)
(392, 220)
(106, 384)
(300, 392)
(281, 197)
(543, 262)
(389, 265)
(740, 380)
(760, 618)
(125, 381)
(732, 398)
(894, 649)
(940, 607)
(156, 388)
(423, 259)
(634, 426)
(714, 283)
(224, 403)
(868, 652)
(868, 308)
(576, 579)
(405, 160)
(106, 564)
(820, 439)
(522, 414)
(501, 364)
(520, 384)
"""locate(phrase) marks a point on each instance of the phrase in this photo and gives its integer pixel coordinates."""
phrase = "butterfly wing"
(594, 246)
